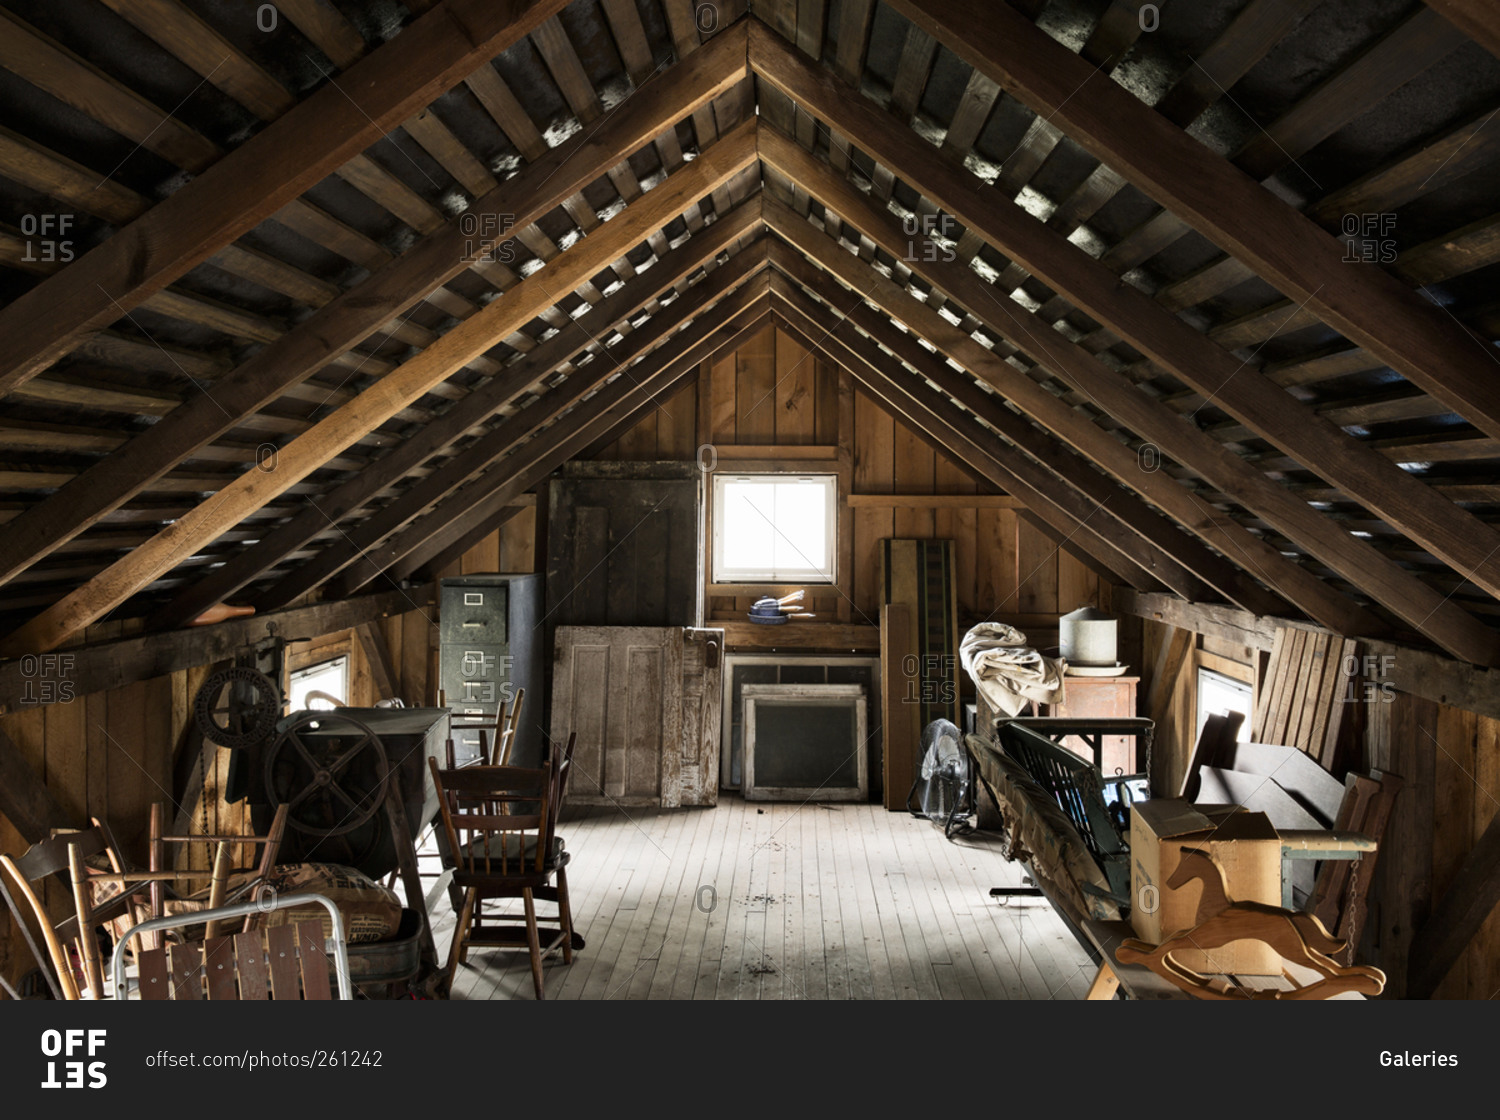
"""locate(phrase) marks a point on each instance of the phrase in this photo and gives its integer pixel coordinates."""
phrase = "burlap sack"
(371, 912)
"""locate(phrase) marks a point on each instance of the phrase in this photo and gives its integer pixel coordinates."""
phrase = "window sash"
(801, 569)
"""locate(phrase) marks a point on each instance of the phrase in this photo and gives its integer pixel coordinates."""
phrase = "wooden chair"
(57, 856)
(280, 962)
(500, 822)
(477, 733)
(219, 877)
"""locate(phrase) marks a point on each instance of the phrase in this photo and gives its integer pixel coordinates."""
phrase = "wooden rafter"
(273, 167)
(1478, 19)
(1172, 435)
(1450, 533)
(332, 507)
(377, 303)
(1169, 555)
(1075, 519)
(1364, 303)
(360, 541)
(732, 153)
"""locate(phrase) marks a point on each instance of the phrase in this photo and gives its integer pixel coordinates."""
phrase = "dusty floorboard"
(786, 902)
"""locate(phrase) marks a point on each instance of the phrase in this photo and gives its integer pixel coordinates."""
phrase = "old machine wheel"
(333, 772)
(237, 707)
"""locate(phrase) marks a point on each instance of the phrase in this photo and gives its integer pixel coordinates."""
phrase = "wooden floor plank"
(806, 902)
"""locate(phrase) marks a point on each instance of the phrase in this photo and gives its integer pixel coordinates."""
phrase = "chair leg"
(564, 915)
(534, 941)
(459, 950)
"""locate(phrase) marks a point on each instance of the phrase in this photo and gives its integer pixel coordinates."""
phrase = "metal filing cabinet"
(491, 645)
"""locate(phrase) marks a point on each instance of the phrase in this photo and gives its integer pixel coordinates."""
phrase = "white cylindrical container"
(1087, 637)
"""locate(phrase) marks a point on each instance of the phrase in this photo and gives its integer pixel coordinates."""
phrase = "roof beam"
(579, 334)
(273, 167)
(1478, 19)
(1172, 435)
(1457, 537)
(376, 302)
(1079, 511)
(1363, 302)
(724, 293)
(299, 458)
(456, 519)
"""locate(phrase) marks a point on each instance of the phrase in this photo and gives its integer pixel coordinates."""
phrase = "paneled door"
(645, 702)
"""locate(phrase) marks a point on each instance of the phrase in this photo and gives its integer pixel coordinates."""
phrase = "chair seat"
(519, 847)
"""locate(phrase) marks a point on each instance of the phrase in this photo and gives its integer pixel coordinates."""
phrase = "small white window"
(1220, 695)
(318, 686)
(774, 528)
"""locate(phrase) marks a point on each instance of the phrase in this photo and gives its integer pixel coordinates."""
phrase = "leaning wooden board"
(645, 703)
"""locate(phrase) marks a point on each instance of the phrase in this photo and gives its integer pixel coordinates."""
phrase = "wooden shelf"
(844, 637)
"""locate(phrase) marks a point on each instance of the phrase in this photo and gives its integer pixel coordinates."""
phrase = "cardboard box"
(1245, 844)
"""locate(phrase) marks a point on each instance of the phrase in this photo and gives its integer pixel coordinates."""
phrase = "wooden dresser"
(1103, 698)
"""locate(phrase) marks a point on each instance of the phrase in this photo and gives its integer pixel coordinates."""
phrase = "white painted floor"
(786, 901)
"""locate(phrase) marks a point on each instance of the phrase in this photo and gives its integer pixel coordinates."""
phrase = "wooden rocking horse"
(1297, 937)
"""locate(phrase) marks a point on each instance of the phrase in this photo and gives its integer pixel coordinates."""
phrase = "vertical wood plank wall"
(1450, 760)
(111, 754)
(772, 393)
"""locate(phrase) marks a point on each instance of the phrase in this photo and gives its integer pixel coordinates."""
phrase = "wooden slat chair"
(476, 734)
(223, 845)
(500, 822)
(283, 962)
(56, 856)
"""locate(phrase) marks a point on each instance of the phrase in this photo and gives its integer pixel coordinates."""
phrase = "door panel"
(645, 704)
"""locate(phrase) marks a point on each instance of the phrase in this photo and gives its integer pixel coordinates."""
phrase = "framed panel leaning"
(805, 742)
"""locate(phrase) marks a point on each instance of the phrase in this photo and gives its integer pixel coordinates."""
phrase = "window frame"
(1201, 713)
(314, 667)
(825, 576)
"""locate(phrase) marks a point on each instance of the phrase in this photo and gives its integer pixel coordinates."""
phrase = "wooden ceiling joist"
(1364, 303)
(731, 154)
(320, 134)
(377, 302)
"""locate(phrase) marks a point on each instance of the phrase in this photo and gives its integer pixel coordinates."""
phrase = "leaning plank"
(1361, 301)
(381, 401)
(367, 307)
(269, 170)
